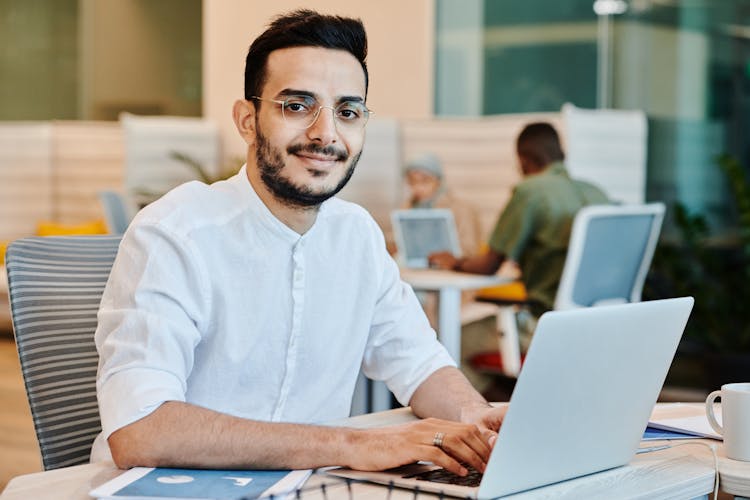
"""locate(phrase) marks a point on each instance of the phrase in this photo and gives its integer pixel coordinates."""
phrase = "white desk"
(449, 285)
(645, 477)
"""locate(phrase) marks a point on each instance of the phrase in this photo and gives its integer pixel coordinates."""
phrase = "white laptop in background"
(581, 403)
(422, 231)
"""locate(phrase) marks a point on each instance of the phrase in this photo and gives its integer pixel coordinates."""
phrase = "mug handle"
(710, 412)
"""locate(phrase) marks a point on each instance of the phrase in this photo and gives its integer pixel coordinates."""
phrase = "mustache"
(336, 153)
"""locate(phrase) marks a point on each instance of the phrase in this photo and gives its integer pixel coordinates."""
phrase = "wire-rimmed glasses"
(300, 112)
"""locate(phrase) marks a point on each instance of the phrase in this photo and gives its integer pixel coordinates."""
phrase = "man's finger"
(439, 457)
(457, 448)
(489, 437)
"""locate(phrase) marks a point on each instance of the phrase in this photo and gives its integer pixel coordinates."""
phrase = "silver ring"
(438, 439)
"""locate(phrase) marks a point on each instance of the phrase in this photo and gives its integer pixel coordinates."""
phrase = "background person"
(534, 228)
(427, 189)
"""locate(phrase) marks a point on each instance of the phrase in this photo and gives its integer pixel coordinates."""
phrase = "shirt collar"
(264, 215)
(556, 168)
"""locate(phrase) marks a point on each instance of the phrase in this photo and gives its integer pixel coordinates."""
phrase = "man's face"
(305, 167)
(422, 185)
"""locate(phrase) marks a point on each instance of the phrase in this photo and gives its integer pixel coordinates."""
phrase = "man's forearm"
(486, 263)
(183, 435)
(444, 394)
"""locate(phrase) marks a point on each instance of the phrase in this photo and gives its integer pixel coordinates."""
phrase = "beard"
(270, 165)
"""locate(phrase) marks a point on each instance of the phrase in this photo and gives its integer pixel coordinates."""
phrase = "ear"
(243, 113)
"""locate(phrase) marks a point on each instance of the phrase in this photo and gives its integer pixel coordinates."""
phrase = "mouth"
(324, 156)
(317, 160)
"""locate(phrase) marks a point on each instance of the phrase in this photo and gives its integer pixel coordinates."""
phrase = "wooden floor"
(19, 453)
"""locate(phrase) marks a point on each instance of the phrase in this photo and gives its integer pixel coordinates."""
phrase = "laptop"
(581, 403)
(422, 231)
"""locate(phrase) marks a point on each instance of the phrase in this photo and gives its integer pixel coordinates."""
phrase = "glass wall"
(520, 56)
(686, 63)
(38, 59)
(539, 55)
(92, 59)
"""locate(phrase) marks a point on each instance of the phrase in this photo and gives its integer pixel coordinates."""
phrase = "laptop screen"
(420, 232)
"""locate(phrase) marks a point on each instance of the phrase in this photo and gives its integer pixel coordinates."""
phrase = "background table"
(449, 285)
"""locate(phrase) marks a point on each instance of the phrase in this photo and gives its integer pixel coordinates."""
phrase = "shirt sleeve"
(516, 225)
(402, 347)
(149, 319)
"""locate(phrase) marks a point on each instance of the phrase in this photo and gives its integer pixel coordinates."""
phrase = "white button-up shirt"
(214, 301)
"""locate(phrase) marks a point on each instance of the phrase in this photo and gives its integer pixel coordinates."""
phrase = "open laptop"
(422, 231)
(581, 403)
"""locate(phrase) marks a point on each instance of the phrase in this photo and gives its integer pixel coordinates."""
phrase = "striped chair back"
(55, 286)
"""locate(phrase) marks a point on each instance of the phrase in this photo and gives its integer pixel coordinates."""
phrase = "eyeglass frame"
(281, 103)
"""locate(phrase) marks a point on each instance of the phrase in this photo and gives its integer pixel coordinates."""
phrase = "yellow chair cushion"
(3, 247)
(47, 228)
(509, 292)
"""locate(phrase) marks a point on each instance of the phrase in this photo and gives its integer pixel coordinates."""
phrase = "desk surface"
(647, 474)
(449, 285)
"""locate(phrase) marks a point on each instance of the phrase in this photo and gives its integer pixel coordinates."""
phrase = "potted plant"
(200, 172)
(717, 274)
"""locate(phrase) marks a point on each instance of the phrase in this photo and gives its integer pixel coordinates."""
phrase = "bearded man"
(238, 315)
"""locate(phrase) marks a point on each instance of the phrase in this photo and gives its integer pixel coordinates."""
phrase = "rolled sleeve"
(403, 349)
(148, 327)
(130, 395)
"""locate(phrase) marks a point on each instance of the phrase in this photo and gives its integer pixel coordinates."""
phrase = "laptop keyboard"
(473, 478)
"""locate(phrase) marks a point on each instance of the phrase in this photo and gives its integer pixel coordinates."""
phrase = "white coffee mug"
(735, 417)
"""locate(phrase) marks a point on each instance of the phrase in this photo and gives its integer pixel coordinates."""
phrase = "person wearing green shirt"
(534, 228)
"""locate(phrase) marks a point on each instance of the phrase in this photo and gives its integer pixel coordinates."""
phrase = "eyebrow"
(307, 93)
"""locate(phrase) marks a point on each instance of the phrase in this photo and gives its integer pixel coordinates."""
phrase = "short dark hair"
(540, 144)
(303, 28)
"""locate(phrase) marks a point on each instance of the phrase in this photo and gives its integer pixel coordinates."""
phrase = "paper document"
(654, 434)
(142, 483)
(697, 425)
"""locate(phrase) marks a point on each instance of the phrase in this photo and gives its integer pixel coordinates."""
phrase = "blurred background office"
(457, 77)
(683, 62)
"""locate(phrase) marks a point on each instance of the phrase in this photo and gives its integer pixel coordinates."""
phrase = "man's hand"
(487, 418)
(442, 260)
(485, 263)
(387, 447)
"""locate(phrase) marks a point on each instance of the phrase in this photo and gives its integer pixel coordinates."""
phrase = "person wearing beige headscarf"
(424, 178)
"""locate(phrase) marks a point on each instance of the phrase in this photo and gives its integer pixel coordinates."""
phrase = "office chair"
(609, 255)
(55, 286)
(116, 211)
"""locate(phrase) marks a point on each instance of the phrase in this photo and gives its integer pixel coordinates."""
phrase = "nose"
(323, 128)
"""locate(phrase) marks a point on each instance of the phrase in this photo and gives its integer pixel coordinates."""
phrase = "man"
(534, 228)
(238, 315)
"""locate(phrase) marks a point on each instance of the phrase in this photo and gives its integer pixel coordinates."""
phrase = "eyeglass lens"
(302, 111)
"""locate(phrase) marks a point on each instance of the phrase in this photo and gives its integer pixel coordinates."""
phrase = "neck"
(535, 169)
(298, 219)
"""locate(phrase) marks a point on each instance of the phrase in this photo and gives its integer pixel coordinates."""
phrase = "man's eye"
(350, 112)
(296, 107)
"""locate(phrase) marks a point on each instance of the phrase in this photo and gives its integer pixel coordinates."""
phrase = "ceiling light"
(610, 7)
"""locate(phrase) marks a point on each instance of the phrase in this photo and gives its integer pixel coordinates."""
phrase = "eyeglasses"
(300, 112)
